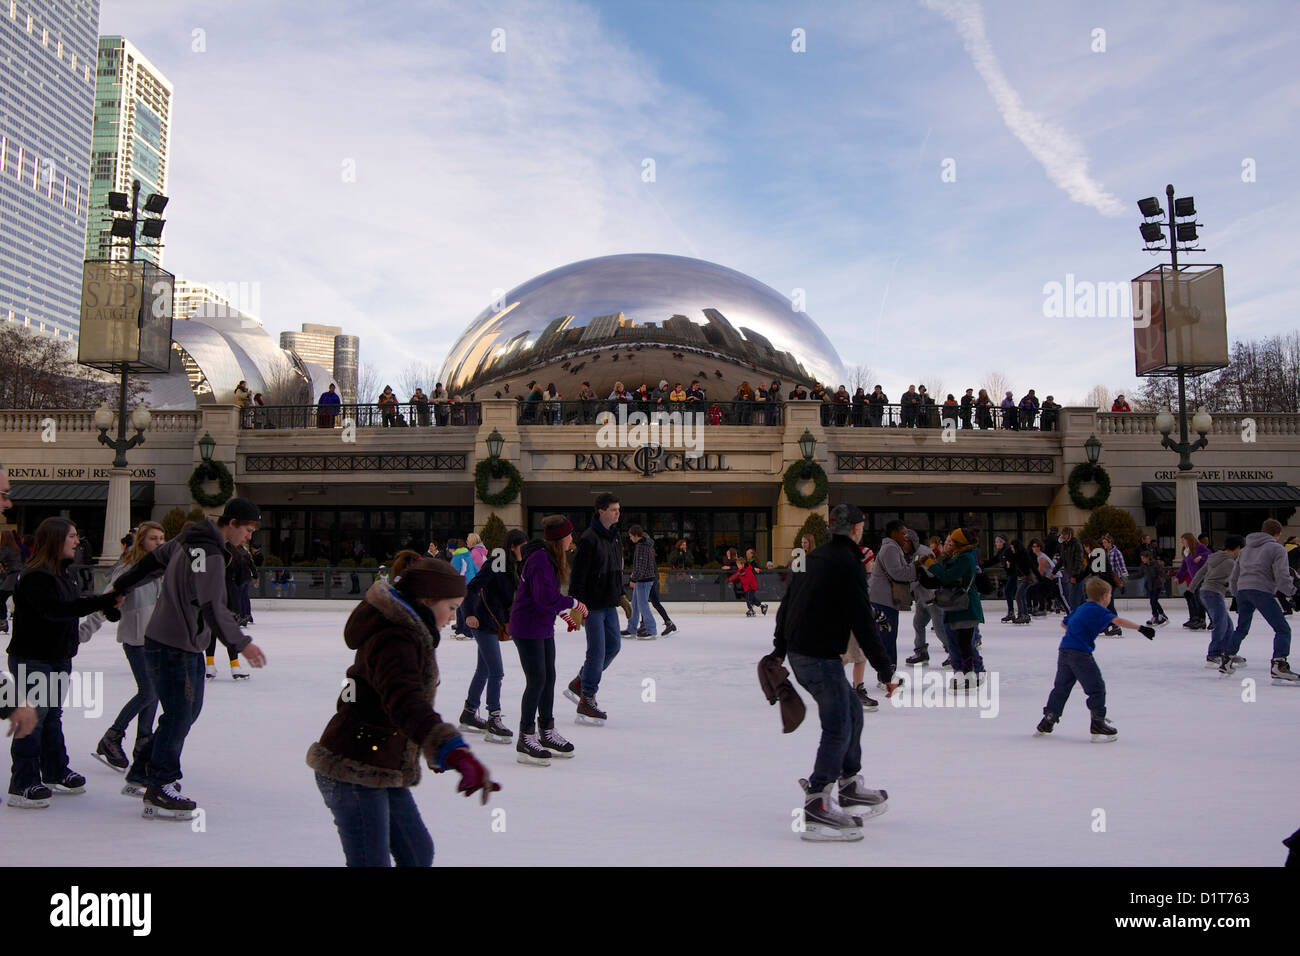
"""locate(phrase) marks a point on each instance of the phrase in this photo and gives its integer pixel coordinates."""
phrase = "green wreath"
(212, 471)
(794, 474)
(1083, 473)
(514, 483)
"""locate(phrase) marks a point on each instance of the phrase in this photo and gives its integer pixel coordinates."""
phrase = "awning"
(75, 492)
(1225, 495)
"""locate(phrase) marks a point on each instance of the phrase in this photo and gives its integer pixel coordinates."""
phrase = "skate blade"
(1283, 682)
(157, 813)
(532, 761)
(104, 760)
(818, 834)
(470, 728)
(498, 739)
(866, 812)
(131, 790)
(1104, 738)
(22, 803)
(589, 721)
(572, 696)
(560, 755)
(648, 637)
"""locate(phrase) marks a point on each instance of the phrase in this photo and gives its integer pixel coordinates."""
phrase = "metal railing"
(401, 415)
(568, 412)
(898, 415)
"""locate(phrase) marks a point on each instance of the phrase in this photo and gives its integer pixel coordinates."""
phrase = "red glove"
(573, 625)
(473, 775)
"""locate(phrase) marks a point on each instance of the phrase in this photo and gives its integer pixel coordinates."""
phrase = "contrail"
(1060, 153)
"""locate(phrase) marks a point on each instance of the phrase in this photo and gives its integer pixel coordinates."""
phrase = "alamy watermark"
(83, 690)
(675, 429)
(934, 688)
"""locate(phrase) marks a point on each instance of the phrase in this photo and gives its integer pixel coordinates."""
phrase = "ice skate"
(574, 690)
(166, 803)
(589, 713)
(1045, 725)
(921, 657)
(856, 799)
(110, 752)
(763, 607)
(136, 790)
(1239, 662)
(530, 751)
(471, 722)
(822, 823)
(643, 635)
(1211, 662)
(210, 671)
(868, 703)
(1022, 619)
(1007, 618)
(750, 613)
(669, 627)
(552, 741)
(1282, 674)
(1226, 665)
(1103, 732)
(496, 731)
(71, 783)
(237, 672)
(33, 798)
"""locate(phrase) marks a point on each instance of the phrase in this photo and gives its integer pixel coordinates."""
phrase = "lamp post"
(1092, 448)
(495, 444)
(1187, 505)
(807, 448)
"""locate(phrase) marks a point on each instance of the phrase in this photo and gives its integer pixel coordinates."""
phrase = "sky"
(922, 170)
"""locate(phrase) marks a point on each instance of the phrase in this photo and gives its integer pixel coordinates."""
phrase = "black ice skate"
(856, 799)
(589, 713)
(574, 690)
(763, 607)
(1281, 672)
(136, 790)
(868, 703)
(530, 751)
(71, 783)
(1102, 732)
(32, 798)
(1008, 618)
(471, 722)
(1022, 619)
(166, 803)
(922, 657)
(110, 751)
(669, 627)
(497, 732)
(1226, 665)
(1045, 725)
(822, 822)
(552, 741)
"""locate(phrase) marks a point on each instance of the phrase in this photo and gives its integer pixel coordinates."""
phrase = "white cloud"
(1061, 154)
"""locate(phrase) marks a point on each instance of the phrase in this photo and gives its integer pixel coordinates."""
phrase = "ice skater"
(486, 613)
(1260, 574)
(369, 755)
(1075, 661)
(744, 576)
(1211, 586)
(596, 580)
(821, 607)
(191, 607)
(1153, 573)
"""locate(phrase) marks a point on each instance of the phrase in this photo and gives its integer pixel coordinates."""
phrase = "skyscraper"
(133, 121)
(47, 102)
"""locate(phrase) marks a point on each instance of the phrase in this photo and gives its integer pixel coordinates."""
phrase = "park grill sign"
(649, 460)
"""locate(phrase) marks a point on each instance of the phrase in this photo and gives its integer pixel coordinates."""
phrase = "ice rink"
(693, 769)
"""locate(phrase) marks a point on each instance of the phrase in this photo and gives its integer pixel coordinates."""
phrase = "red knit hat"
(431, 578)
(558, 532)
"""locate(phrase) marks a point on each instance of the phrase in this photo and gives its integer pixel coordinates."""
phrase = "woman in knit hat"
(538, 599)
(369, 754)
(487, 612)
(958, 571)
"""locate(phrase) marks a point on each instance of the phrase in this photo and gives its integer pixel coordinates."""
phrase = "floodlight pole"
(1187, 505)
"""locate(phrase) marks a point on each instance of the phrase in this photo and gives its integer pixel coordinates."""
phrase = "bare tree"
(368, 386)
(285, 386)
(39, 371)
(1098, 397)
(933, 387)
(416, 375)
(860, 377)
(996, 384)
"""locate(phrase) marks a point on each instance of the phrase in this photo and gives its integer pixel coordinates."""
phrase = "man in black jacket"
(596, 579)
(1074, 564)
(821, 607)
(21, 717)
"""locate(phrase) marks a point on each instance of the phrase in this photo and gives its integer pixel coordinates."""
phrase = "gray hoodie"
(1262, 566)
(1214, 573)
(891, 562)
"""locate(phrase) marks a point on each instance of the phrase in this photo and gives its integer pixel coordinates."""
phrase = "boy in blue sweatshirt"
(1074, 660)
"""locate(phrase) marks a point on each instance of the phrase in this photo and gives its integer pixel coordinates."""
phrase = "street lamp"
(206, 446)
(1092, 448)
(495, 444)
(807, 448)
(140, 419)
(1201, 423)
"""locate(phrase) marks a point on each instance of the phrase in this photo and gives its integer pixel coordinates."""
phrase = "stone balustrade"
(84, 421)
(1267, 424)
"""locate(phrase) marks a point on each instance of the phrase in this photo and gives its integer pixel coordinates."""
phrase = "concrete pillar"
(501, 414)
(1187, 504)
(117, 519)
(789, 519)
(222, 423)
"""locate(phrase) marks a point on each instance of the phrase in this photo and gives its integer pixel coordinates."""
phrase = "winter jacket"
(479, 554)
(46, 609)
(777, 688)
(1117, 565)
(384, 720)
(596, 578)
(643, 560)
(463, 562)
(1073, 559)
(136, 610)
(746, 577)
(959, 571)
(1192, 563)
(1262, 566)
(891, 565)
(192, 604)
(490, 595)
(1215, 573)
(825, 604)
(1153, 572)
(681, 560)
(537, 599)
(924, 558)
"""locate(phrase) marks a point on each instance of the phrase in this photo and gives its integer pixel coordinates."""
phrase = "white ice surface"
(703, 775)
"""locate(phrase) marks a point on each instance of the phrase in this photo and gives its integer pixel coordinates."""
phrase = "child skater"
(749, 581)
(1153, 572)
(1074, 660)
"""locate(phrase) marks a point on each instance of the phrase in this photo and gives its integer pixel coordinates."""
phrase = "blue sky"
(819, 170)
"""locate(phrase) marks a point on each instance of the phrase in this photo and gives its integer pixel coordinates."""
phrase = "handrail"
(363, 415)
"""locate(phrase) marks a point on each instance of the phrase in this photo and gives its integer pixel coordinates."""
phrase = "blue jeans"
(1221, 637)
(1248, 602)
(839, 753)
(603, 644)
(178, 680)
(1071, 666)
(144, 705)
(1076, 592)
(921, 618)
(375, 823)
(641, 616)
(490, 671)
(889, 631)
(42, 754)
(962, 640)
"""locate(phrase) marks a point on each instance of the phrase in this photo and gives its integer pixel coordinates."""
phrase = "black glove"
(112, 615)
(1148, 632)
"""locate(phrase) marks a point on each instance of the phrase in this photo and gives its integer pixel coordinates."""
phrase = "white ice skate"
(1282, 673)
(859, 801)
(823, 822)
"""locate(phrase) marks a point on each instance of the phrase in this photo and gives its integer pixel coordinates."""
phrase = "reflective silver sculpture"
(639, 317)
